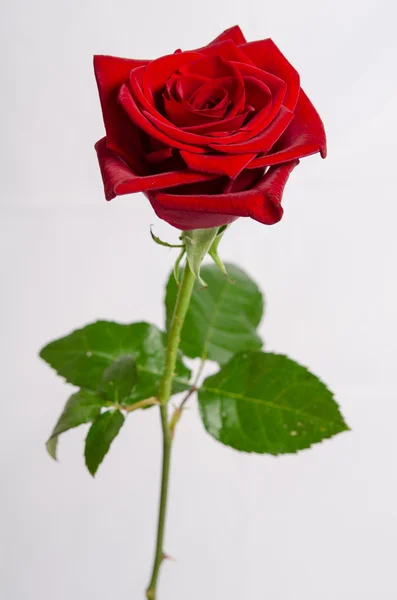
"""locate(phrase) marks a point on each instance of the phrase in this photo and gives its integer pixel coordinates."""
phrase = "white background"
(320, 525)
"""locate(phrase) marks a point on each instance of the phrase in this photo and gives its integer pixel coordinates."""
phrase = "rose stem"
(180, 310)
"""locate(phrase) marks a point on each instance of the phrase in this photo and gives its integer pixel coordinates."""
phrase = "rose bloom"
(207, 135)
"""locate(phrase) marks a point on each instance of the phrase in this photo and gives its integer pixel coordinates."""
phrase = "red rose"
(208, 135)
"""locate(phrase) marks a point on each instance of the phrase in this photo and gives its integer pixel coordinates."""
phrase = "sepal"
(198, 243)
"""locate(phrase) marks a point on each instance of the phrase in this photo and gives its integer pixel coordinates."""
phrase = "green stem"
(178, 411)
(181, 307)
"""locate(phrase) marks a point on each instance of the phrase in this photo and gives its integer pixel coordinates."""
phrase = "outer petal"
(186, 219)
(305, 135)
(233, 33)
(118, 179)
(226, 49)
(265, 55)
(111, 73)
(262, 202)
(265, 206)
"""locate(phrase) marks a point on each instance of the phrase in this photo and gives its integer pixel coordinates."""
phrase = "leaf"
(222, 319)
(267, 403)
(82, 407)
(198, 242)
(118, 379)
(99, 438)
(52, 446)
(82, 357)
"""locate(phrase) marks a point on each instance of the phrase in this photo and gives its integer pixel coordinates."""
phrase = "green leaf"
(99, 438)
(222, 319)
(119, 379)
(198, 242)
(52, 446)
(267, 403)
(82, 357)
(82, 407)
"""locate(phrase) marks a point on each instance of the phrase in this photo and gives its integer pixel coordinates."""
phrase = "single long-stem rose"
(208, 135)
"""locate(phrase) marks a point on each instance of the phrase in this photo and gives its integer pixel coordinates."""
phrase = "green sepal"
(161, 243)
(198, 242)
(213, 251)
(177, 263)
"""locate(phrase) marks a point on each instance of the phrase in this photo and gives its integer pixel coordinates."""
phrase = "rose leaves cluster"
(257, 401)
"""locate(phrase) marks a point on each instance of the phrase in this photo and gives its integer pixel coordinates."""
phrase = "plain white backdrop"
(321, 525)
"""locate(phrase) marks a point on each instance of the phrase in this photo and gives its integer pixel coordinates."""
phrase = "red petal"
(207, 93)
(265, 55)
(245, 181)
(182, 116)
(118, 179)
(222, 73)
(187, 85)
(185, 114)
(186, 219)
(177, 138)
(256, 124)
(234, 34)
(158, 156)
(265, 206)
(305, 135)
(158, 71)
(152, 122)
(261, 142)
(224, 126)
(262, 202)
(111, 73)
(227, 50)
(263, 117)
(219, 164)
(139, 118)
(258, 94)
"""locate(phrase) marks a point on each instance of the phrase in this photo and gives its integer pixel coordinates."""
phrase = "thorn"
(165, 556)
